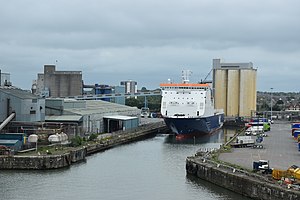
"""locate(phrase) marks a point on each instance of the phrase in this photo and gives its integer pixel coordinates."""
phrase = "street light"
(271, 102)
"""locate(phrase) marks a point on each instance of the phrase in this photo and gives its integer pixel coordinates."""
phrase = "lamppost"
(271, 102)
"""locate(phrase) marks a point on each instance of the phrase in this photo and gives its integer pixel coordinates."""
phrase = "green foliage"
(76, 141)
(153, 102)
(225, 149)
(93, 137)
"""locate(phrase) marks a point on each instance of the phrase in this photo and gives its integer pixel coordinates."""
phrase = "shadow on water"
(217, 137)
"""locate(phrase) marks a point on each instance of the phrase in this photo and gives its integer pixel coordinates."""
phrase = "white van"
(254, 130)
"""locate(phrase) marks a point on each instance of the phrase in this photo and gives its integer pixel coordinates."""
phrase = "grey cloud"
(134, 38)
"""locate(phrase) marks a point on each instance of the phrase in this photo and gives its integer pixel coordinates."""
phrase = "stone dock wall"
(43, 161)
(79, 154)
(242, 182)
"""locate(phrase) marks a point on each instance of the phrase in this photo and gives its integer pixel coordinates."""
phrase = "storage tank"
(235, 87)
(64, 137)
(33, 138)
(58, 137)
(54, 139)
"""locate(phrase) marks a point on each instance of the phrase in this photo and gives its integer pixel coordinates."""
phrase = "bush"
(93, 137)
(76, 141)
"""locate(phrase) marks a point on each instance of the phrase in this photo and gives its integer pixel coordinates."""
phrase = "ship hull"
(195, 126)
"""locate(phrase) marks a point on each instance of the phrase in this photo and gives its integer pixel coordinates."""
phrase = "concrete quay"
(279, 148)
(232, 170)
(43, 162)
(239, 181)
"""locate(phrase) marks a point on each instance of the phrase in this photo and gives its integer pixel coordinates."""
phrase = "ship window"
(201, 105)
(197, 113)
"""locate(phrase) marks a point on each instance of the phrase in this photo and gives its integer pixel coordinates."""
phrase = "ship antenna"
(186, 76)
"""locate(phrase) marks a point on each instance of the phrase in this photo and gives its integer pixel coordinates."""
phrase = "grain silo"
(234, 88)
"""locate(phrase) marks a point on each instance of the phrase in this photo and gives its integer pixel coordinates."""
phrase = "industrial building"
(234, 88)
(13, 141)
(54, 83)
(26, 106)
(130, 86)
(99, 89)
(4, 79)
(92, 116)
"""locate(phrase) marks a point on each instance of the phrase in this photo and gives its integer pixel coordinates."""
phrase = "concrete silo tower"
(234, 88)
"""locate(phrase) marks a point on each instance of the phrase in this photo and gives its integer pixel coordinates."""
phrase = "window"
(34, 101)
(32, 112)
(201, 105)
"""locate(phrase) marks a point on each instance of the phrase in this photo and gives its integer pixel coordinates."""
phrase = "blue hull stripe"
(201, 125)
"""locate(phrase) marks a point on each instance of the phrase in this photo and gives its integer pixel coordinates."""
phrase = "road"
(280, 149)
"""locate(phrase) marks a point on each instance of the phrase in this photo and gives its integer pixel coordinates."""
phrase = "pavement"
(280, 149)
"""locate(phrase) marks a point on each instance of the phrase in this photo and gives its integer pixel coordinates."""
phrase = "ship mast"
(186, 76)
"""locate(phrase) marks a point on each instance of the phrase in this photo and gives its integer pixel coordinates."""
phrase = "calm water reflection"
(149, 169)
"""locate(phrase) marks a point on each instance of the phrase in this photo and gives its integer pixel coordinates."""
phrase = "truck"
(262, 165)
(258, 119)
(260, 125)
(291, 172)
(243, 141)
(254, 130)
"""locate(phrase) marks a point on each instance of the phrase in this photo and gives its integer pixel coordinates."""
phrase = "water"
(149, 169)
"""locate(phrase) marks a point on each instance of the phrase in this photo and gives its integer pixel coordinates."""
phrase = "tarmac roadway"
(279, 147)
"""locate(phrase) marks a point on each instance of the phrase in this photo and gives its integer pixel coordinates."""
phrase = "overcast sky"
(150, 40)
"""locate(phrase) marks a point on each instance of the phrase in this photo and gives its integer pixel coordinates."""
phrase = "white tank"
(64, 137)
(59, 137)
(53, 139)
(33, 138)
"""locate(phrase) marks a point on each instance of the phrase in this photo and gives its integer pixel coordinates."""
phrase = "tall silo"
(247, 92)
(220, 86)
(234, 88)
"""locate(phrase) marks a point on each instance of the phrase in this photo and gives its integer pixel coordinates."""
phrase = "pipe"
(7, 120)
(7, 108)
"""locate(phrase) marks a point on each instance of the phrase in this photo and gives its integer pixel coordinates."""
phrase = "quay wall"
(42, 161)
(244, 183)
(79, 154)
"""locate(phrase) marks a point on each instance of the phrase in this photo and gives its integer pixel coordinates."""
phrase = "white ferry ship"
(188, 108)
